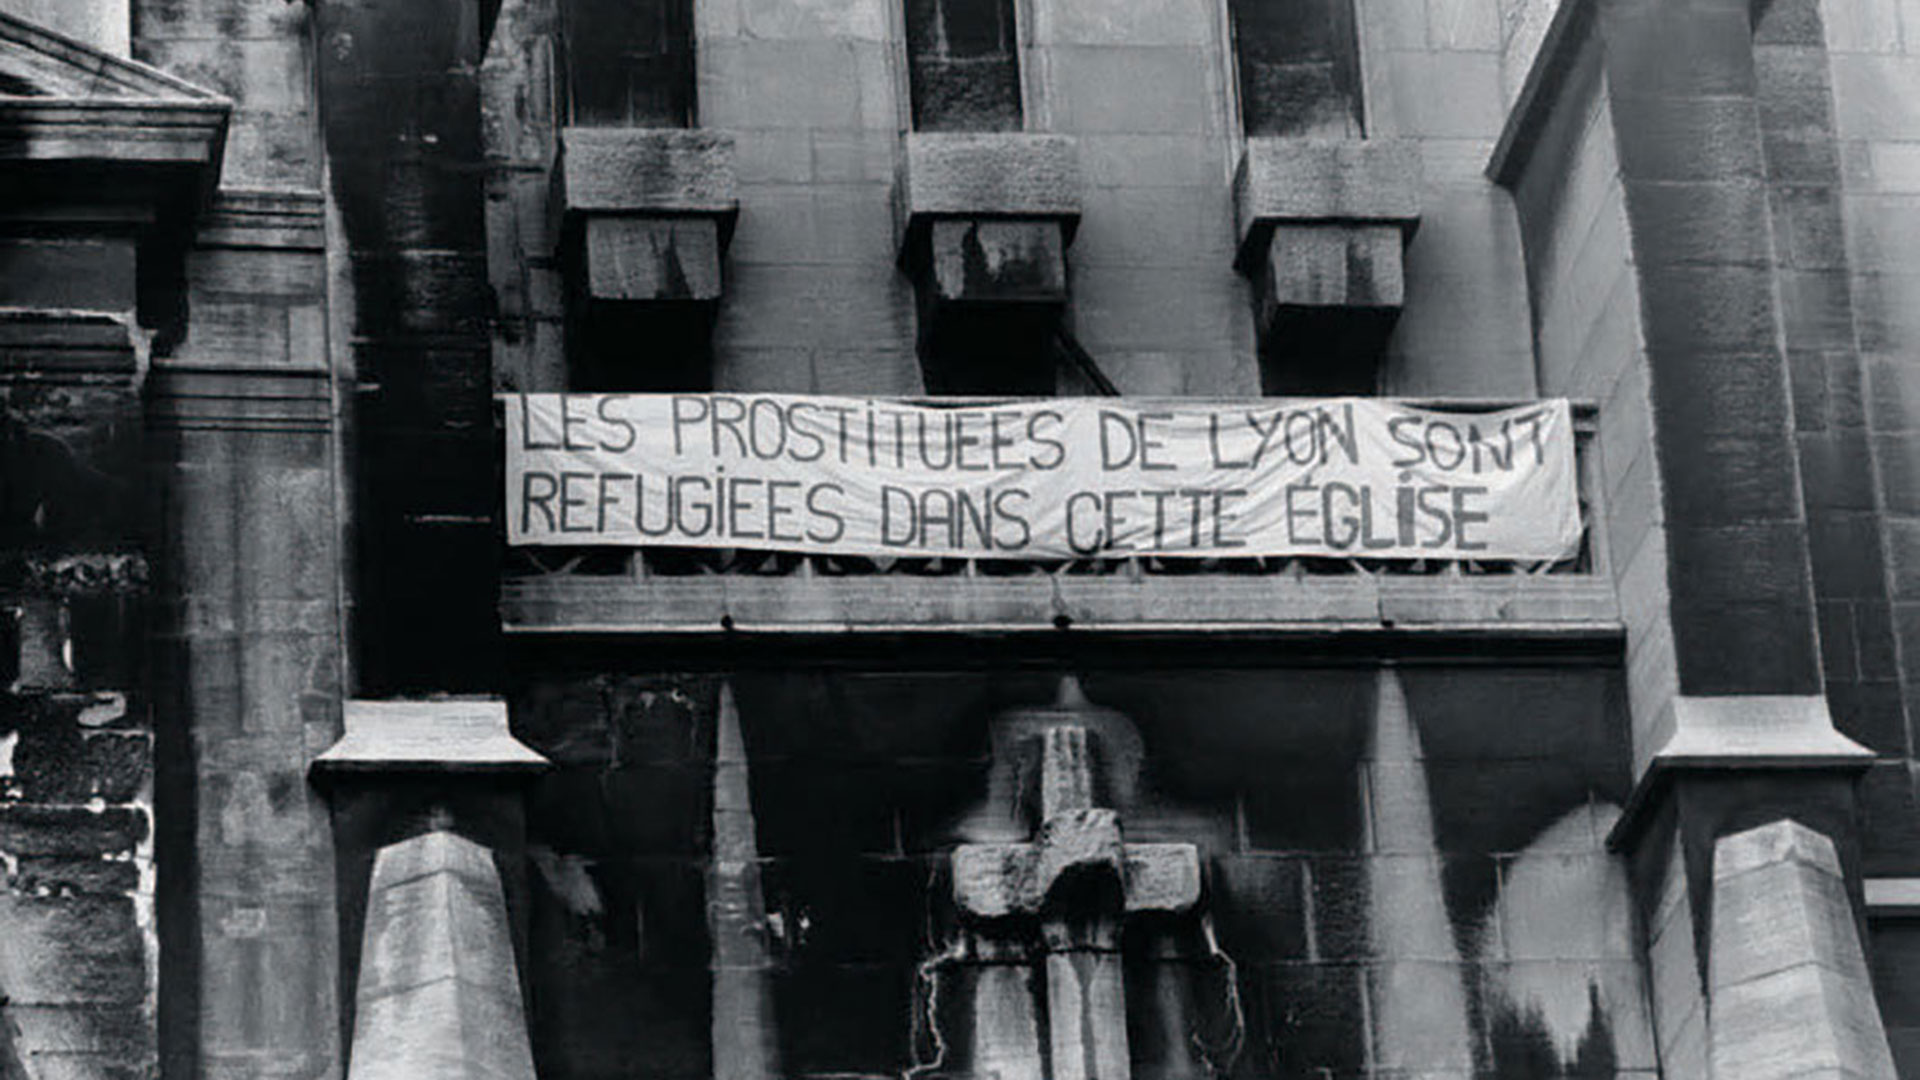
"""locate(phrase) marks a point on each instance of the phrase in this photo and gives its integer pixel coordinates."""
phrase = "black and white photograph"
(959, 539)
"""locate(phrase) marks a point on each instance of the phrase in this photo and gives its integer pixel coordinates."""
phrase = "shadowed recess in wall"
(403, 143)
(619, 834)
(1392, 874)
(629, 62)
(1299, 67)
(962, 65)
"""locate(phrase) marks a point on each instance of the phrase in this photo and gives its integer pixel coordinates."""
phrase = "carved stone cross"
(1081, 881)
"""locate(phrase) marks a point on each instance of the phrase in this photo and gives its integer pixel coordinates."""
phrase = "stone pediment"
(62, 100)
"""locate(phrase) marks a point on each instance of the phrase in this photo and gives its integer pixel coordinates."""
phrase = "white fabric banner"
(1046, 479)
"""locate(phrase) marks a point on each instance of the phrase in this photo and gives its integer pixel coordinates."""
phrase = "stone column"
(1710, 534)
(243, 415)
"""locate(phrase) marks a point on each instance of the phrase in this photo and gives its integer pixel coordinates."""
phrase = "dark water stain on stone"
(1525, 1049)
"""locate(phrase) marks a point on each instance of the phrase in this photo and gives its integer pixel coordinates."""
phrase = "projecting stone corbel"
(983, 224)
(986, 217)
(1323, 225)
(649, 212)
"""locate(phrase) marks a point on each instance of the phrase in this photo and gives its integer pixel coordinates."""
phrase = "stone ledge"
(444, 736)
(1892, 897)
(648, 170)
(191, 133)
(991, 174)
(1509, 606)
(1739, 733)
(1319, 182)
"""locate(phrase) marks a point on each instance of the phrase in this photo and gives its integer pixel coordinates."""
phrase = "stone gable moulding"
(61, 100)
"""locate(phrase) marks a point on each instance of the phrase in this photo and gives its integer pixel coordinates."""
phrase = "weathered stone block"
(984, 220)
(1312, 180)
(70, 830)
(653, 210)
(1791, 994)
(1333, 266)
(985, 260)
(653, 258)
(990, 174)
(439, 988)
(627, 170)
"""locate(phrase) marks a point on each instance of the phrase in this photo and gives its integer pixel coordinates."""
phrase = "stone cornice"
(184, 133)
(1323, 181)
(263, 219)
(444, 735)
(71, 102)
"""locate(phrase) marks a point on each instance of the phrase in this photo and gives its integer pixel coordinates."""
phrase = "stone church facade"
(306, 772)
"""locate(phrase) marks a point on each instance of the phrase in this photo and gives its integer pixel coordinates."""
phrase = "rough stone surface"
(1371, 180)
(1323, 227)
(77, 806)
(1788, 982)
(439, 988)
(1332, 266)
(635, 258)
(745, 1030)
(998, 261)
(616, 169)
(991, 174)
